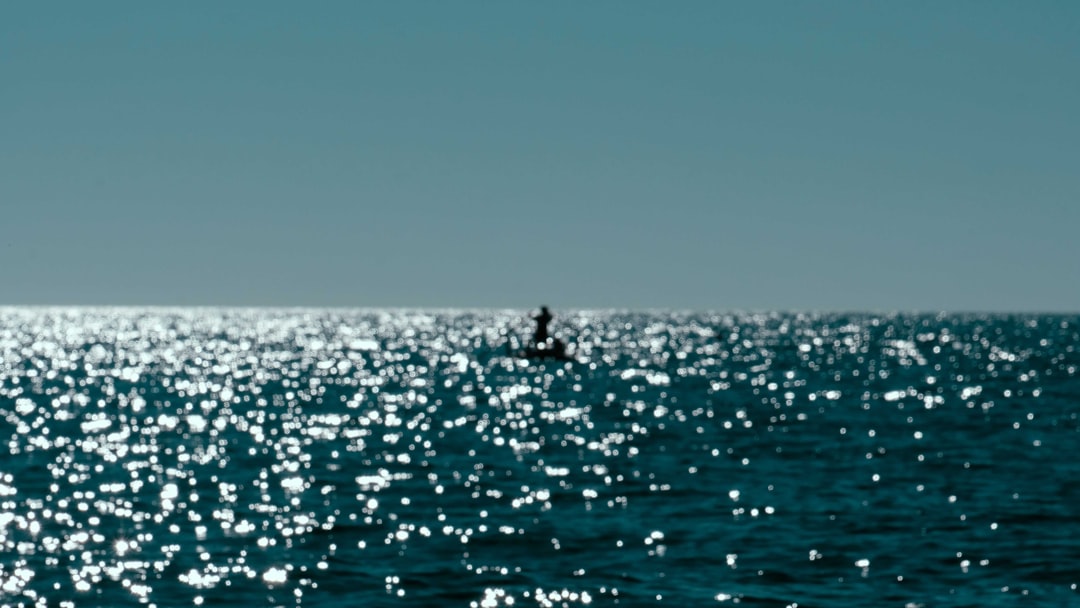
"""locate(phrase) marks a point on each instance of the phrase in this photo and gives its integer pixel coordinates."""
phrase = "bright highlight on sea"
(175, 457)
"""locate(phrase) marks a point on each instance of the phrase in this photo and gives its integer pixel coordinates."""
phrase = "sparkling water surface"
(403, 458)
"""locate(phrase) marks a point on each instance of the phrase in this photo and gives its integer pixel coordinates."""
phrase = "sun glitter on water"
(273, 457)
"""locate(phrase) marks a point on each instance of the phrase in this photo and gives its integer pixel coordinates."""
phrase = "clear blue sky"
(692, 155)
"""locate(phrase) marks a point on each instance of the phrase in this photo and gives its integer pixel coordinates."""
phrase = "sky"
(829, 156)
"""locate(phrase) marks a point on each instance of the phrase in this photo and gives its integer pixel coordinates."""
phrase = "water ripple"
(313, 457)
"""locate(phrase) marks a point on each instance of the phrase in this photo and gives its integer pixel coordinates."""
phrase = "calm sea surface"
(402, 458)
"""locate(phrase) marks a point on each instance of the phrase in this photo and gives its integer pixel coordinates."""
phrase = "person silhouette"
(540, 336)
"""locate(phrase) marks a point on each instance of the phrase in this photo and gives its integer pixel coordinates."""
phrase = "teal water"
(401, 458)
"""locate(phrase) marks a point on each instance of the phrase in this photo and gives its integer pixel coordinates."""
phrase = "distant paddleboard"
(552, 349)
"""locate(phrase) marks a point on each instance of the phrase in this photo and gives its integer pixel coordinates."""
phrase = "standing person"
(542, 320)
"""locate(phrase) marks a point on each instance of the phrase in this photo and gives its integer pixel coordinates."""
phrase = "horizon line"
(579, 309)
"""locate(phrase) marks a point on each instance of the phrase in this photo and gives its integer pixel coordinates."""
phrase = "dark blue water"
(401, 458)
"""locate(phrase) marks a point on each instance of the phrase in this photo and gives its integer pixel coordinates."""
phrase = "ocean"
(262, 457)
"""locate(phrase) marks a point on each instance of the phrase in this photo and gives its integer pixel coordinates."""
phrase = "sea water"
(408, 458)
